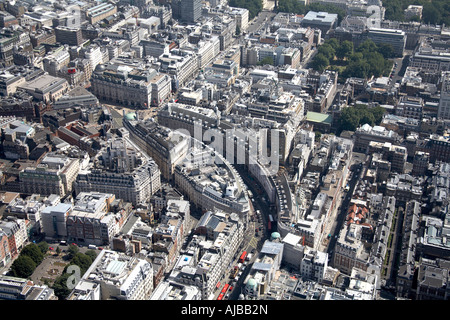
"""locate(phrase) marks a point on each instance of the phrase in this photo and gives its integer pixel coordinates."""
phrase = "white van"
(91, 246)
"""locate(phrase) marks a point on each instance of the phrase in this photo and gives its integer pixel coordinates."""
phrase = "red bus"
(218, 285)
(225, 288)
(243, 256)
(220, 297)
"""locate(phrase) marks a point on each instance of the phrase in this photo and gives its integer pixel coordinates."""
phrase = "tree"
(43, 246)
(266, 60)
(344, 50)
(58, 250)
(317, 136)
(430, 14)
(367, 117)
(34, 252)
(327, 50)
(238, 30)
(352, 117)
(320, 62)
(349, 119)
(72, 251)
(60, 286)
(293, 6)
(359, 69)
(386, 50)
(254, 7)
(367, 46)
(333, 42)
(81, 260)
(23, 267)
(91, 254)
(378, 113)
(356, 57)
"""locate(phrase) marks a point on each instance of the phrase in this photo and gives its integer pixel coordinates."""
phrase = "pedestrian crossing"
(253, 242)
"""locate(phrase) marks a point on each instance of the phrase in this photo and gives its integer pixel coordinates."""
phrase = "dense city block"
(224, 150)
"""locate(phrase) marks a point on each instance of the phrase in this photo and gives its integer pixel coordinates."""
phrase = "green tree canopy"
(367, 46)
(72, 251)
(34, 252)
(81, 260)
(333, 42)
(43, 246)
(91, 254)
(344, 50)
(23, 267)
(352, 117)
(327, 50)
(365, 61)
(349, 119)
(386, 50)
(294, 6)
(60, 286)
(434, 12)
(254, 7)
(431, 14)
(266, 60)
(320, 62)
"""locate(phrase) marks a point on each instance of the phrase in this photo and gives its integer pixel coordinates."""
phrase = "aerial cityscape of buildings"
(192, 150)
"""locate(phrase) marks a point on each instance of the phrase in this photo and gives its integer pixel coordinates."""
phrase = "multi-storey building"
(444, 100)
(170, 230)
(42, 36)
(396, 38)
(53, 220)
(410, 107)
(350, 252)
(119, 277)
(241, 16)
(122, 171)
(15, 133)
(123, 85)
(16, 231)
(314, 264)
(12, 288)
(263, 270)
(70, 36)
(167, 148)
(437, 146)
(407, 265)
(216, 241)
(433, 280)
(366, 133)
(187, 10)
(56, 60)
(54, 175)
(161, 86)
(209, 185)
(320, 20)
(91, 221)
(45, 88)
(100, 12)
(430, 56)
(397, 155)
(181, 65)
